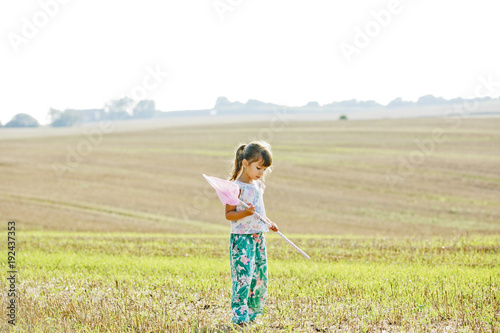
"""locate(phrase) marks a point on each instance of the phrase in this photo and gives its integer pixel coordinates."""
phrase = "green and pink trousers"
(248, 257)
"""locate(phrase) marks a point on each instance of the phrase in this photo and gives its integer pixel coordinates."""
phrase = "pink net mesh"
(227, 191)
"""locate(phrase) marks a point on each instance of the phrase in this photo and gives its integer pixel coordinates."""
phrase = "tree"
(343, 117)
(69, 117)
(119, 108)
(145, 109)
(54, 114)
(22, 120)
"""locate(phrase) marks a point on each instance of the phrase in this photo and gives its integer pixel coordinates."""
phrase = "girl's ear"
(244, 163)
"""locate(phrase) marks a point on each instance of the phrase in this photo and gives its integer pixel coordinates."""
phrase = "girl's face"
(254, 170)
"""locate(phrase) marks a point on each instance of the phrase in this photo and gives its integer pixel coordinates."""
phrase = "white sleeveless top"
(250, 193)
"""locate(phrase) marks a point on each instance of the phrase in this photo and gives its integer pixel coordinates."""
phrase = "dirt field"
(117, 230)
(369, 177)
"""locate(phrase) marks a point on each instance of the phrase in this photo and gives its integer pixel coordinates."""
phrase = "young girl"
(247, 249)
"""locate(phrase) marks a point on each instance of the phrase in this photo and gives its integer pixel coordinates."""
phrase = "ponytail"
(238, 161)
(252, 152)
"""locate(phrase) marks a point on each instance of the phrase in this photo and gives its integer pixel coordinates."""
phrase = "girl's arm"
(233, 215)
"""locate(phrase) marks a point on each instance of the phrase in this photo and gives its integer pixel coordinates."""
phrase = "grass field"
(107, 282)
(130, 238)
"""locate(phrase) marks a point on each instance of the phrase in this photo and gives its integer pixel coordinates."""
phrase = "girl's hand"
(273, 227)
(250, 210)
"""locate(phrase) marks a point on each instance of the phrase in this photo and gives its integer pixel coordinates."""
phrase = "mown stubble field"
(400, 218)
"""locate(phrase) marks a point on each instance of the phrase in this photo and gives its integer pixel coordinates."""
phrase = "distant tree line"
(123, 108)
(126, 108)
(119, 109)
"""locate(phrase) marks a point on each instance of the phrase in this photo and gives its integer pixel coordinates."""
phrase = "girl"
(247, 248)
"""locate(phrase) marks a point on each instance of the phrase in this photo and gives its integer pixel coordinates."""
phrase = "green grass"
(126, 282)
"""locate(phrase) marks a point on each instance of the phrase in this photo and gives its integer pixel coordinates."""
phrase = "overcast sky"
(81, 54)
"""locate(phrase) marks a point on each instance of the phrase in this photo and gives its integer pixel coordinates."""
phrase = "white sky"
(281, 51)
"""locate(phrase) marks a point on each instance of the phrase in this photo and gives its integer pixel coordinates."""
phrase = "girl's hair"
(252, 152)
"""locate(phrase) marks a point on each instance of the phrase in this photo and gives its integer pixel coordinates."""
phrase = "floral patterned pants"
(248, 275)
